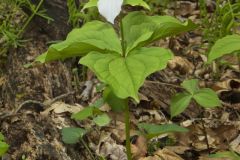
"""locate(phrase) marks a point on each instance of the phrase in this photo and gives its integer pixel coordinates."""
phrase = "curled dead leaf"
(108, 147)
(181, 64)
(229, 91)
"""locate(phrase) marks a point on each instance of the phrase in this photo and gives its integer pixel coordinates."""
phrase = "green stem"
(86, 146)
(238, 55)
(127, 130)
(230, 6)
(30, 18)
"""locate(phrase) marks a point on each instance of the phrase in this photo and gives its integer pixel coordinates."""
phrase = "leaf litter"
(217, 129)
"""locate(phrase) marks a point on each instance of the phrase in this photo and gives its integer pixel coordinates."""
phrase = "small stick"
(44, 104)
(205, 134)
(163, 83)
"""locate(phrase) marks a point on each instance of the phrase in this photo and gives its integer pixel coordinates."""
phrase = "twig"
(48, 103)
(205, 134)
(44, 104)
(28, 102)
(163, 83)
(88, 149)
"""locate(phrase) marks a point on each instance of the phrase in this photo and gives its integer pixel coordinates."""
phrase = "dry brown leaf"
(139, 149)
(2, 80)
(118, 131)
(107, 147)
(181, 64)
(151, 158)
(178, 149)
(150, 115)
(142, 97)
(185, 8)
(235, 144)
(187, 123)
(229, 84)
(167, 154)
(61, 107)
(105, 108)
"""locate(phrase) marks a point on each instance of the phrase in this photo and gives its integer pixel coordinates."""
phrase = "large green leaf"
(93, 36)
(140, 29)
(90, 3)
(179, 103)
(137, 3)
(207, 98)
(155, 130)
(93, 3)
(170, 26)
(125, 75)
(72, 135)
(137, 28)
(226, 45)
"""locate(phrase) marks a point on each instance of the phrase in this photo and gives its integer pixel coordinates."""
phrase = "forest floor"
(33, 130)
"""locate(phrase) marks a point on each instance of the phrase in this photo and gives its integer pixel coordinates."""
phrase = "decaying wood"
(30, 134)
(46, 81)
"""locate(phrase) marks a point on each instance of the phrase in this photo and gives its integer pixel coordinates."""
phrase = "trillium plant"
(123, 58)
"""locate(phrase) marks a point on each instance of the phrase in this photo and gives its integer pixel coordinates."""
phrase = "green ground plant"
(3, 145)
(78, 16)
(12, 29)
(227, 154)
(223, 21)
(72, 135)
(122, 59)
(204, 97)
(159, 6)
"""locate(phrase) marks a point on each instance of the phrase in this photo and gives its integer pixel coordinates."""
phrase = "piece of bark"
(46, 81)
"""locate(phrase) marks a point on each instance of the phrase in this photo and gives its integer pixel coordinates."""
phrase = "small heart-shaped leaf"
(102, 120)
(72, 135)
(179, 103)
(207, 98)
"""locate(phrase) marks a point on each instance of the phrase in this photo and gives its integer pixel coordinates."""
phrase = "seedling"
(120, 59)
(205, 97)
(71, 135)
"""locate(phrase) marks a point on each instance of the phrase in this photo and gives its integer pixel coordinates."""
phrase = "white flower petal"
(110, 9)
